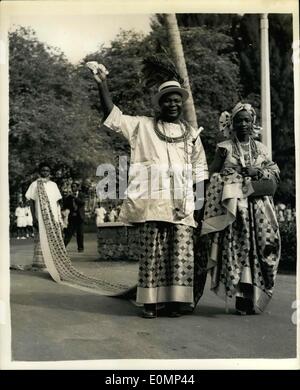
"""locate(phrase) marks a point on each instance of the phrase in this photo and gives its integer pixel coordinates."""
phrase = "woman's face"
(242, 123)
(171, 106)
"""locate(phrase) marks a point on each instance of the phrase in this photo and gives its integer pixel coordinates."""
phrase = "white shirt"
(20, 212)
(53, 194)
(21, 216)
(151, 187)
(100, 214)
(112, 216)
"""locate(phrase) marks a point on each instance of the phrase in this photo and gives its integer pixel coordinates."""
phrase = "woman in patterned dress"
(239, 215)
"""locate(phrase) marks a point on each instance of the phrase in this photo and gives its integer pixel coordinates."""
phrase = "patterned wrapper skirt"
(38, 259)
(245, 253)
(166, 263)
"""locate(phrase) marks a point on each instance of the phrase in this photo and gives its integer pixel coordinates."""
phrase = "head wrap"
(226, 120)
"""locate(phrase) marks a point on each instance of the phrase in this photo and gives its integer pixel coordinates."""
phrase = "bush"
(288, 245)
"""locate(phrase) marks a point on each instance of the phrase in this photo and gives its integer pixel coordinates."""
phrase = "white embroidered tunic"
(161, 174)
(54, 196)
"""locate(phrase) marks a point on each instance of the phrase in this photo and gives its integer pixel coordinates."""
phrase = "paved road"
(51, 322)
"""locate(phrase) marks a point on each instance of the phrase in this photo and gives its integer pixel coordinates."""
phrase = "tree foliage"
(244, 30)
(50, 115)
(210, 78)
(55, 112)
(247, 41)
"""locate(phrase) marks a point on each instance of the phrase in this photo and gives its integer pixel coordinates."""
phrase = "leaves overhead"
(158, 69)
(55, 111)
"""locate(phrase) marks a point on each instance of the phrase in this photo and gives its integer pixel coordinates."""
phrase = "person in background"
(100, 213)
(118, 210)
(75, 203)
(288, 214)
(42, 193)
(65, 218)
(20, 213)
(113, 215)
(280, 211)
(29, 220)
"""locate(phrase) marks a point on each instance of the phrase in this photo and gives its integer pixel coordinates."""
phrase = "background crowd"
(96, 211)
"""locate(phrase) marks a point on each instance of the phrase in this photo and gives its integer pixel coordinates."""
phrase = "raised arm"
(105, 98)
(100, 73)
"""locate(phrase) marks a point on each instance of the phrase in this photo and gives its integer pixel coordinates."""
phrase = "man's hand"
(35, 223)
(99, 71)
(198, 215)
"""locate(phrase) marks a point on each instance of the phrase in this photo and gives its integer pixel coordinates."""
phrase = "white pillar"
(265, 83)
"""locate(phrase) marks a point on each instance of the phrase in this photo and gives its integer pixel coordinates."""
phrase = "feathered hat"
(162, 73)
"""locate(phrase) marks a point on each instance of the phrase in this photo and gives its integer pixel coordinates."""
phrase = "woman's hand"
(249, 171)
(35, 223)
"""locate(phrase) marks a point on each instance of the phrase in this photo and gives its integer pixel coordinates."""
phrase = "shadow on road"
(77, 303)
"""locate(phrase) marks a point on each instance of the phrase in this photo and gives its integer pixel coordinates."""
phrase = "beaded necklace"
(244, 147)
(179, 211)
(183, 124)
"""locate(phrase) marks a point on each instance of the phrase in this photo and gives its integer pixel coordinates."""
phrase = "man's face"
(45, 172)
(171, 106)
(74, 188)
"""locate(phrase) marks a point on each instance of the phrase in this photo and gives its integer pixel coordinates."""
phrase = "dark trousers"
(75, 225)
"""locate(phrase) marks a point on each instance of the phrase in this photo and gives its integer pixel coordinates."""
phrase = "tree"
(50, 116)
(214, 73)
(178, 55)
(214, 78)
(247, 39)
(244, 30)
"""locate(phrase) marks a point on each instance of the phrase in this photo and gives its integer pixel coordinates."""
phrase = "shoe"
(18, 238)
(149, 310)
(148, 314)
(23, 238)
(174, 314)
(245, 313)
(173, 310)
(244, 306)
(187, 311)
(240, 312)
(80, 250)
(39, 269)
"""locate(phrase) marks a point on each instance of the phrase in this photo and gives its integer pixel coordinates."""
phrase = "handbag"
(263, 187)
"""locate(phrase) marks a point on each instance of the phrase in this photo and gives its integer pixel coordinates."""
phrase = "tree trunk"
(178, 55)
(265, 83)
